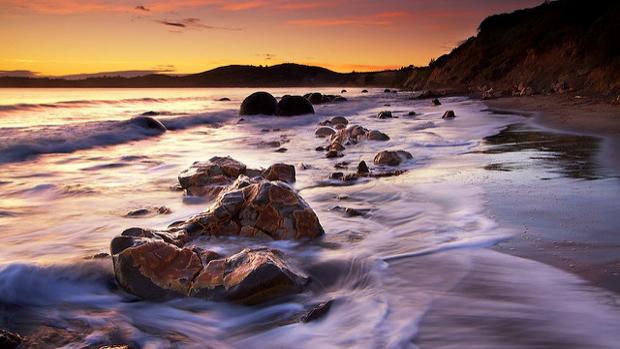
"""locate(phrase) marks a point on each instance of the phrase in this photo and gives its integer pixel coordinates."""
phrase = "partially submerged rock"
(436, 102)
(157, 270)
(392, 158)
(148, 211)
(448, 115)
(324, 131)
(294, 105)
(149, 123)
(259, 103)
(385, 114)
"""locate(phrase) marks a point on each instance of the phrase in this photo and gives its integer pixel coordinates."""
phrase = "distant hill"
(282, 75)
(557, 46)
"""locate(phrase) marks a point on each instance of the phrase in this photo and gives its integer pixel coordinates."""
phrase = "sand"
(575, 114)
(595, 262)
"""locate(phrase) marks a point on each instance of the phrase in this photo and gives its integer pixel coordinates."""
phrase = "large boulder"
(257, 208)
(157, 270)
(392, 158)
(294, 105)
(259, 103)
(215, 175)
(315, 98)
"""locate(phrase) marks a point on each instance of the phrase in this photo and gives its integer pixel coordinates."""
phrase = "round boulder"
(294, 105)
(324, 131)
(392, 158)
(259, 103)
(315, 98)
(376, 135)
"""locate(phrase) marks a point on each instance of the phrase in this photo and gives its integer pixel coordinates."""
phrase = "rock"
(224, 99)
(375, 135)
(280, 172)
(319, 148)
(392, 158)
(364, 91)
(448, 115)
(412, 113)
(9, 340)
(428, 94)
(339, 120)
(340, 126)
(436, 102)
(324, 131)
(281, 150)
(259, 103)
(317, 312)
(148, 211)
(270, 144)
(256, 208)
(560, 87)
(341, 165)
(339, 99)
(352, 212)
(294, 105)
(336, 146)
(148, 122)
(343, 91)
(210, 177)
(333, 154)
(387, 90)
(315, 98)
(303, 166)
(386, 114)
(157, 270)
(251, 276)
(150, 113)
(336, 175)
(362, 168)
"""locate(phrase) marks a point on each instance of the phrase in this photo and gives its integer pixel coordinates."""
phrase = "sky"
(67, 37)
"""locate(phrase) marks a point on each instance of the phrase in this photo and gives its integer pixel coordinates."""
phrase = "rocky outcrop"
(9, 340)
(259, 103)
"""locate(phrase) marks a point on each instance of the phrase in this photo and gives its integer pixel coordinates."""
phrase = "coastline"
(592, 116)
(574, 250)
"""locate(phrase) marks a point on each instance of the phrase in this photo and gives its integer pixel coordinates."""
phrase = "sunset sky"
(59, 37)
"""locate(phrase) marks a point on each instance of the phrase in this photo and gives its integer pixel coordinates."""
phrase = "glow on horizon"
(60, 37)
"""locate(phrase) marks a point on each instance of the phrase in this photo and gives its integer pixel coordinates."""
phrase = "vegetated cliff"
(559, 46)
(281, 75)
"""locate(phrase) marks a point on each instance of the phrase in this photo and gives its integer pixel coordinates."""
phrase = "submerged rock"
(448, 115)
(148, 122)
(317, 312)
(392, 158)
(148, 211)
(436, 102)
(294, 105)
(259, 103)
(364, 91)
(224, 99)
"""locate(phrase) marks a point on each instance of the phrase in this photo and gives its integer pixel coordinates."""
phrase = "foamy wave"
(18, 144)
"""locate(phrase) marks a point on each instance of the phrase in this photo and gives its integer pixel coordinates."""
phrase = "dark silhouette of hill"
(282, 75)
(555, 47)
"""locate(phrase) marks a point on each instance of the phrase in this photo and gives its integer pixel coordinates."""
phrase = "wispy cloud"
(193, 23)
(377, 19)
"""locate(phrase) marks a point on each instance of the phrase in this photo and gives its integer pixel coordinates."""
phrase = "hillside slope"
(559, 46)
(281, 75)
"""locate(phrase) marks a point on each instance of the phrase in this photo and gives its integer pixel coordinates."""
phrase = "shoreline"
(597, 263)
(590, 116)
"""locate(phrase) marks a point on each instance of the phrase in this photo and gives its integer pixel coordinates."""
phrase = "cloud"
(193, 23)
(142, 8)
(19, 73)
(377, 19)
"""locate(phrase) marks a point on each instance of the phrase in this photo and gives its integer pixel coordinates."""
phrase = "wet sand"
(573, 233)
(584, 115)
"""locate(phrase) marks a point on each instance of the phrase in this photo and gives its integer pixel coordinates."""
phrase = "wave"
(93, 102)
(19, 144)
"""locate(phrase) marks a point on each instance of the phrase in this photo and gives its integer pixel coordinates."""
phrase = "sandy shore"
(546, 241)
(591, 116)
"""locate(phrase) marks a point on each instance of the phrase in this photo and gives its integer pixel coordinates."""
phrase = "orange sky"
(58, 37)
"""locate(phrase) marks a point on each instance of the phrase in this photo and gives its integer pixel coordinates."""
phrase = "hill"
(559, 46)
(282, 75)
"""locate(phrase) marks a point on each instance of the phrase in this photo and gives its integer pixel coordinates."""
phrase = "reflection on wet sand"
(569, 155)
